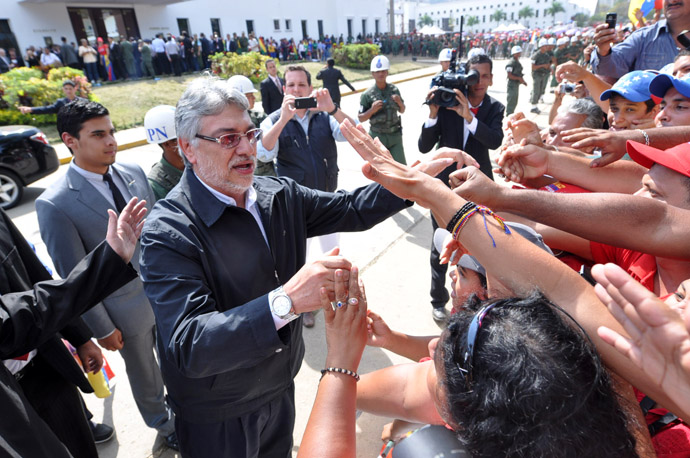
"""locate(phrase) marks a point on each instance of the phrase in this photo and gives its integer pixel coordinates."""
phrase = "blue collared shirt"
(648, 48)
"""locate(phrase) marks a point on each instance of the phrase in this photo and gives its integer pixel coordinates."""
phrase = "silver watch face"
(282, 305)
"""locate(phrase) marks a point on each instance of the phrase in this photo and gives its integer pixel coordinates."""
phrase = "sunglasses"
(233, 139)
(472, 333)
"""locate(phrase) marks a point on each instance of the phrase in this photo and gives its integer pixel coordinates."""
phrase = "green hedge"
(251, 64)
(28, 86)
(356, 56)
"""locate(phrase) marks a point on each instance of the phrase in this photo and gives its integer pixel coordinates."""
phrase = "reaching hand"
(611, 144)
(124, 231)
(378, 332)
(457, 155)
(523, 162)
(90, 356)
(399, 179)
(524, 129)
(659, 340)
(604, 38)
(471, 184)
(346, 326)
(433, 108)
(570, 71)
(313, 277)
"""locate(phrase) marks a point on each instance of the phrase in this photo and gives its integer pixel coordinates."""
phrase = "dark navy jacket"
(207, 271)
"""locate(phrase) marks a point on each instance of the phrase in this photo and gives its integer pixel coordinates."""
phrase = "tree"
(426, 20)
(498, 16)
(581, 19)
(472, 21)
(526, 13)
(555, 9)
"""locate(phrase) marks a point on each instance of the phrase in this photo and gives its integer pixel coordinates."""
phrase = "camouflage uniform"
(385, 123)
(541, 76)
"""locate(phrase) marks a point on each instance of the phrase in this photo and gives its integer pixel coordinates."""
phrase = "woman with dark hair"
(519, 377)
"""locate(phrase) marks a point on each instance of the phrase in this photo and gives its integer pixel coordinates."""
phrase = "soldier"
(396, 46)
(515, 78)
(245, 86)
(380, 104)
(159, 124)
(561, 56)
(541, 67)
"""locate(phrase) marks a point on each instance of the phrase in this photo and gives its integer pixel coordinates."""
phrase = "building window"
(276, 25)
(536, 13)
(215, 26)
(512, 16)
(483, 19)
(349, 27)
(376, 26)
(288, 25)
(320, 25)
(183, 25)
(364, 28)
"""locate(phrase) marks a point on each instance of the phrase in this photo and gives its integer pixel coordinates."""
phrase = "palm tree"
(554, 9)
(472, 21)
(498, 16)
(526, 13)
(426, 20)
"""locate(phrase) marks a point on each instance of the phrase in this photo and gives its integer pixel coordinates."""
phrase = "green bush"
(356, 56)
(27, 86)
(252, 65)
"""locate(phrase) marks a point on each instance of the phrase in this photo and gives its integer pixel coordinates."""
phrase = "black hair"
(538, 388)
(69, 83)
(650, 103)
(298, 68)
(330, 61)
(479, 59)
(72, 116)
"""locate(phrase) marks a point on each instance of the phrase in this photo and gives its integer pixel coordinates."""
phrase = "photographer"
(473, 125)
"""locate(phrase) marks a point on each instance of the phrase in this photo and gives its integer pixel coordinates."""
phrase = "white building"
(38, 22)
(446, 15)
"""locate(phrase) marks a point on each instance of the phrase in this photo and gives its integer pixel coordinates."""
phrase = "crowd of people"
(567, 332)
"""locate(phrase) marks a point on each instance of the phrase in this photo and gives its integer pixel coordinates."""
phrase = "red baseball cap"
(676, 158)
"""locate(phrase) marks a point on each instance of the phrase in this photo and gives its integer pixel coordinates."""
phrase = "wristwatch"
(281, 304)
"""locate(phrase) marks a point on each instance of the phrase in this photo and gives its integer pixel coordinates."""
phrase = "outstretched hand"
(659, 340)
(611, 144)
(124, 231)
(346, 324)
(401, 180)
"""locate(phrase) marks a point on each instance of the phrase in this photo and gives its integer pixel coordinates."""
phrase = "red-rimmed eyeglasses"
(233, 139)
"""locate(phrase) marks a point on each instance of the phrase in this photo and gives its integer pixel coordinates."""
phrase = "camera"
(305, 102)
(567, 88)
(453, 78)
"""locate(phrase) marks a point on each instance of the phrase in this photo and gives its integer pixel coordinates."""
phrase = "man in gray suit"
(72, 219)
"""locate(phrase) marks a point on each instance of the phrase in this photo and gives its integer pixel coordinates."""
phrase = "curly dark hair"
(538, 388)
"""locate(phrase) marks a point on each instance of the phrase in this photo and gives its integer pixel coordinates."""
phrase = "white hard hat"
(445, 55)
(475, 52)
(552, 41)
(574, 38)
(159, 124)
(543, 42)
(563, 41)
(242, 84)
(380, 63)
(515, 49)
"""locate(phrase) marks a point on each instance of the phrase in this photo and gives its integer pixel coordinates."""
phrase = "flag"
(262, 46)
(643, 5)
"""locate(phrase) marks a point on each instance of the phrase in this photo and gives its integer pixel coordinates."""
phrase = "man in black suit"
(33, 309)
(117, 58)
(473, 125)
(272, 89)
(331, 78)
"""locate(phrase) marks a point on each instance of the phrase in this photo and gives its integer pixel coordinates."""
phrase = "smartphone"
(683, 39)
(305, 102)
(611, 20)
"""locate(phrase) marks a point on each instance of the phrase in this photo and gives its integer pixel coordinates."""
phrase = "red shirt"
(640, 266)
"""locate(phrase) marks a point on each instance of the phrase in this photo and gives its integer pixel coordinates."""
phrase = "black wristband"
(335, 110)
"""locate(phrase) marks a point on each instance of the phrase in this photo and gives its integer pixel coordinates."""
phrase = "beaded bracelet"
(482, 210)
(459, 214)
(340, 371)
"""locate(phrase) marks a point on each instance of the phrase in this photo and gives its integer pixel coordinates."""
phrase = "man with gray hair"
(223, 264)
(578, 113)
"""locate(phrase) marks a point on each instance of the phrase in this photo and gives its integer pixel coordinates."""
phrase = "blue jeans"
(92, 71)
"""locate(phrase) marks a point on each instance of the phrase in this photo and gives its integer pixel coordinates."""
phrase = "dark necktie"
(117, 195)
